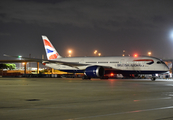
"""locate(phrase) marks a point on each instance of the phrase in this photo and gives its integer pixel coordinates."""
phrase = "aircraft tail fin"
(50, 50)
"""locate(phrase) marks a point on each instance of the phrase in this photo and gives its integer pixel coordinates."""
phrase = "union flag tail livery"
(50, 50)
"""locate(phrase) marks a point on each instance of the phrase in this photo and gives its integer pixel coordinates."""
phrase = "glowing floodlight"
(171, 34)
(19, 56)
(135, 55)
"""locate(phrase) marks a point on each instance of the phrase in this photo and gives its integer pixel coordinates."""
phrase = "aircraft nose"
(166, 68)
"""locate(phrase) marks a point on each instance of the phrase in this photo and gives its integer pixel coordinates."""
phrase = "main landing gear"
(153, 78)
(86, 78)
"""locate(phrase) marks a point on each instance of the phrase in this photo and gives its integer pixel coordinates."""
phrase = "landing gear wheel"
(86, 78)
(153, 79)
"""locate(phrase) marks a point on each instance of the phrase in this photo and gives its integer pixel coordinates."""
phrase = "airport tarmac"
(76, 99)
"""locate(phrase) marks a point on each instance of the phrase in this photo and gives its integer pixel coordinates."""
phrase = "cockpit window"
(160, 62)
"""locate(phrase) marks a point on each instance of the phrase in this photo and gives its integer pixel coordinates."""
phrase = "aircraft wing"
(26, 59)
(72, 64)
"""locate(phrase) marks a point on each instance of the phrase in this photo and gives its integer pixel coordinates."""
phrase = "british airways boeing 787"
(98, 67)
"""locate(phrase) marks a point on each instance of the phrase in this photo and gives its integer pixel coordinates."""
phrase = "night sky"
(110, 26)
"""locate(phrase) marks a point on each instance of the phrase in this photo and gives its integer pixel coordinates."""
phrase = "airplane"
(101, 67)
(98, 67)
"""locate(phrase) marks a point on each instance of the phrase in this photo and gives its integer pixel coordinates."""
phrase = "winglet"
(50, 50)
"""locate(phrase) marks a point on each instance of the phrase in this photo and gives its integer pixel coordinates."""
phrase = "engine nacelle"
(94, 71)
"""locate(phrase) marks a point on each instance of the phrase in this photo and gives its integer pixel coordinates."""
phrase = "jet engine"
(94, 71)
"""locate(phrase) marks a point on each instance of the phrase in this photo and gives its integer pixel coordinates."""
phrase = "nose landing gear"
(153, 78)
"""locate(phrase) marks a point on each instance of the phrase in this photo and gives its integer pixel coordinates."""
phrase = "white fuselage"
(137, 64)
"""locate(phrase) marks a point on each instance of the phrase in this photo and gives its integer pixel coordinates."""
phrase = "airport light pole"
(95, 52)
(69, 53)
(149, 53)
(24, 64)
(20, 57)
(124, 53)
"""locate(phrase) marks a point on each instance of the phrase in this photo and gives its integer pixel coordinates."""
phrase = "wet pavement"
(76, 99)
